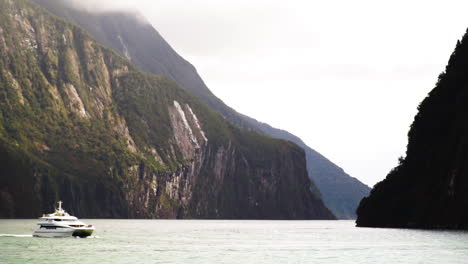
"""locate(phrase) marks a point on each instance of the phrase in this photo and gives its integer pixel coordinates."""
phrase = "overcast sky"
(345, 76)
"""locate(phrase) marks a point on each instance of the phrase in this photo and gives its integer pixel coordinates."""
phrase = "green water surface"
(197, 241)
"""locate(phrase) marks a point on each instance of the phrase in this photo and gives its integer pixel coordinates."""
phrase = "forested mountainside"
(80, 123)
(429, 187)
(129, 34)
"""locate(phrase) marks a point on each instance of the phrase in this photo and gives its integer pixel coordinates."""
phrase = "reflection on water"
(187, 241)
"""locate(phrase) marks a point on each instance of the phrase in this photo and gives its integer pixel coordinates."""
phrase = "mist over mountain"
(146, 48)
(97, 6)
(429, 187)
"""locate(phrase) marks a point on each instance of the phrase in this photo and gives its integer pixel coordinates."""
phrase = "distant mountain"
(341, 192)
(429, 187)
(80, 123)
(131, 36)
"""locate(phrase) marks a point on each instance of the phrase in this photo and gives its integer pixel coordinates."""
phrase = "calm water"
(168, 241)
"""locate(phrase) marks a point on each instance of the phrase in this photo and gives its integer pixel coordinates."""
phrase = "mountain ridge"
(341, 192)
(80, 123)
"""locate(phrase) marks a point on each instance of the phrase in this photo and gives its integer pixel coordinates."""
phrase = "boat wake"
(13, 235)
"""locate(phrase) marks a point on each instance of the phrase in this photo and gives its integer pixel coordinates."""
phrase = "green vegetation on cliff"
(428, 189)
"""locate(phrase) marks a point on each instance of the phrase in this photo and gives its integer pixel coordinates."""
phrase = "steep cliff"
(80, 123)
(429, 188)
(137, 40)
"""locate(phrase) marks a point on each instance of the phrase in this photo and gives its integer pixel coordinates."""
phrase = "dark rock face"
(80, 123)
(428, 189)
(143, 45)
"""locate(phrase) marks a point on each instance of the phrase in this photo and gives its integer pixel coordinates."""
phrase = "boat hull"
(62, 232)
(83, 232)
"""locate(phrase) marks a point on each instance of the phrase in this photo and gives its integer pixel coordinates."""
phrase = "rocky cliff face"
(428, 189)
(80, 123)
(141, 43)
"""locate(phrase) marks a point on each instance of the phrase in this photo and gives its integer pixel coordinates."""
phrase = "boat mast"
(60, 206)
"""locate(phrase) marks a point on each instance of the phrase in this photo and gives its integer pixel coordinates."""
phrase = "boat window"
(52, 227)
(49, 227)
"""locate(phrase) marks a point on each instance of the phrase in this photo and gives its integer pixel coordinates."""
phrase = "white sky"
(345, 76)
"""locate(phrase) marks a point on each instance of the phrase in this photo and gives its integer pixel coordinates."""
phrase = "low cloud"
(103, 5)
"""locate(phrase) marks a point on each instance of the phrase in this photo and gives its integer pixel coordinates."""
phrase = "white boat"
(61, 224)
